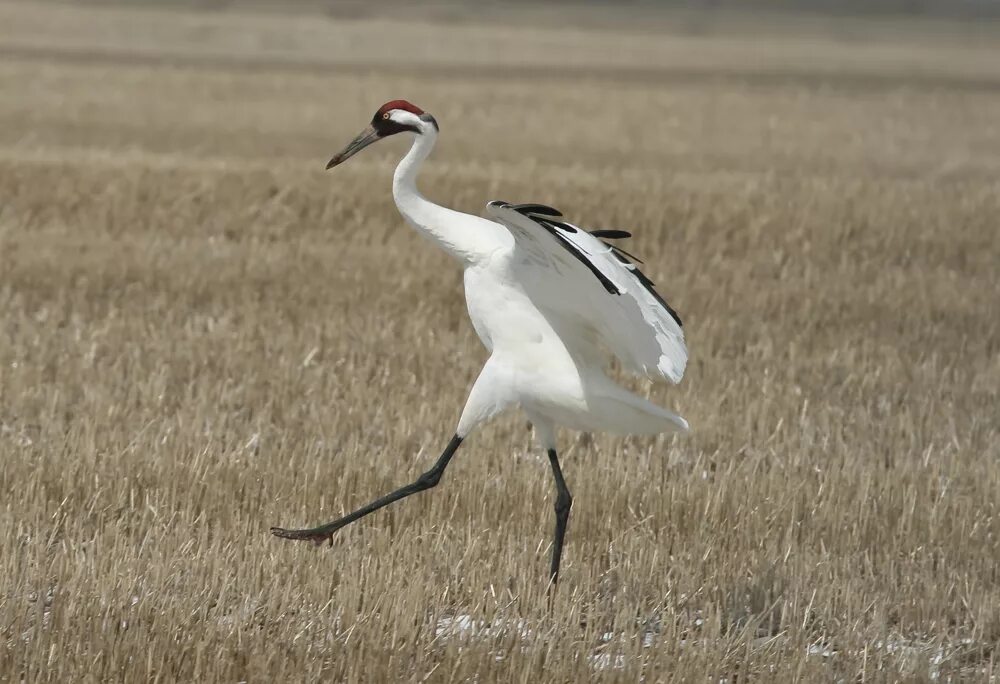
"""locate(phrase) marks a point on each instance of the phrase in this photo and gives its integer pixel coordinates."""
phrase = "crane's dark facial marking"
(385, 126)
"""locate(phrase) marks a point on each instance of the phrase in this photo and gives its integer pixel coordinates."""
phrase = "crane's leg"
(564, 501)
(487, 398)
(425, 481)
(545, 433)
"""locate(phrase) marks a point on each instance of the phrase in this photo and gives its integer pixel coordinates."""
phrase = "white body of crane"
(549, 301)
(539, 313)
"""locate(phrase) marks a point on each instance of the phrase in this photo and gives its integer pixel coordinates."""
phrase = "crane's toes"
(316, 538)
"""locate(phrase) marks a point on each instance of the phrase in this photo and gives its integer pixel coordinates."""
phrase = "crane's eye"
(386, 115)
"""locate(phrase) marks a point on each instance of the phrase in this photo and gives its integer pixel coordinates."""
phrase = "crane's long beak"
(364, 139)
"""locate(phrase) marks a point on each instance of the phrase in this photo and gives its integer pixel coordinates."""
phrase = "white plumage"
(630, 319)
(550, 301)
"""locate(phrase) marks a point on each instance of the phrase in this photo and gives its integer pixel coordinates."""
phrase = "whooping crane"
(546, 298)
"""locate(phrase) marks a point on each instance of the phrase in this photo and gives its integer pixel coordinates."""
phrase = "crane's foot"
(315, 535)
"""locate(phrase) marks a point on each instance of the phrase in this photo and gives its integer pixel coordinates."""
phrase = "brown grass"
(203, 335)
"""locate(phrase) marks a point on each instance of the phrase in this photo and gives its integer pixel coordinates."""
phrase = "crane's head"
(391, 118)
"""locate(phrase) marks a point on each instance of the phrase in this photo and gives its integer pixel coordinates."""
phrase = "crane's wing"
(571, 273)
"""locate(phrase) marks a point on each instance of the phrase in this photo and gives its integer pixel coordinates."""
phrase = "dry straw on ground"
(203, 334)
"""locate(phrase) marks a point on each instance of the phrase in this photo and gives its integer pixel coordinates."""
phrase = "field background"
(203, 334)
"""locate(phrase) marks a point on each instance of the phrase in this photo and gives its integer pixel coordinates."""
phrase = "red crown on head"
(399, 104)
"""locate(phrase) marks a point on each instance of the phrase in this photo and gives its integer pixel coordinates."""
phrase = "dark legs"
(425, 481)
(563, 503)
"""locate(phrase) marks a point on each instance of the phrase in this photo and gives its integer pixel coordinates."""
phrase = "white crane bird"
(547, 299)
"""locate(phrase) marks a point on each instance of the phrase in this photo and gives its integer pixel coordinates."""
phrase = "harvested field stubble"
(203, 335)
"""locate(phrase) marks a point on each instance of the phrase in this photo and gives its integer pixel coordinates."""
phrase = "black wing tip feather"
(540, 213)
(540, 209)
(611, 234)
(608, 285)
(556, 224)
(553, 228)
(648, 284)
(528, 209)
(626, 258)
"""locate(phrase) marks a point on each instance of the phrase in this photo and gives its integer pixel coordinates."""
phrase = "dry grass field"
(203, 334)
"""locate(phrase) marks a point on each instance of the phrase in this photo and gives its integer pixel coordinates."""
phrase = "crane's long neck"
(448, 228)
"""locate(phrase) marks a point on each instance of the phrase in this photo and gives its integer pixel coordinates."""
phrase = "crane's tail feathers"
(627, 413)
